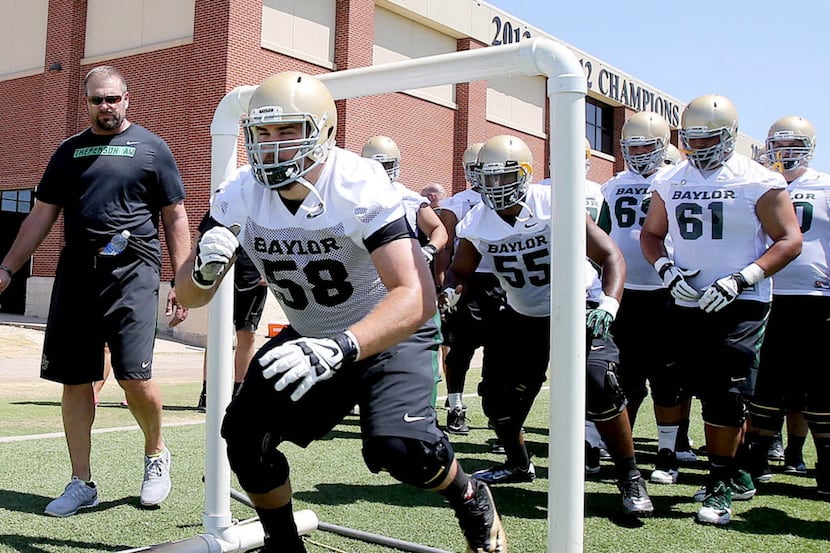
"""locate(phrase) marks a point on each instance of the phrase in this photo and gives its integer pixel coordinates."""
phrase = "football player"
(645, 305)
(464, 327)
(597, 209)
(719, 208)
(511, 228)
(421, 217)
(330, 237)
(799, 315)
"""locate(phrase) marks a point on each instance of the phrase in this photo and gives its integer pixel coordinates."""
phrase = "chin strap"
(317, 210)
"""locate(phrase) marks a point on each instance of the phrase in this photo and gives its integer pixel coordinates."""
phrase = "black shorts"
(642, 332)
(247, 307)
(793, 373)
(97, 301)
(465, 326)
(517, 352)
(395, 389)
(719, 352)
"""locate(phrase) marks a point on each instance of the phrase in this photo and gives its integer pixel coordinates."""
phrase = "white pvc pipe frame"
(566, 88)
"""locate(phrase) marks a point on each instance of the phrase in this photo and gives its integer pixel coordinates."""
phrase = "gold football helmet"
(706, 117)
(468, 160)
(384, 150)
(783, 151)
(648, 129)
(587, 156)
(285, 99)
(673, 156)
(503, 170)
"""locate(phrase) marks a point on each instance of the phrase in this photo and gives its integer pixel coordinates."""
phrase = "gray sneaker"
(77, 495)
(156, 485)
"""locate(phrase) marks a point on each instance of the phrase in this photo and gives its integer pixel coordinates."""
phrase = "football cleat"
(506, 474)
(480, 522)
(685, 456)
(740, 486)
(592, 465)
(635, 498)
(457, 421)
(794, 463)
(717, 505)
(665, 468)
(776, 450)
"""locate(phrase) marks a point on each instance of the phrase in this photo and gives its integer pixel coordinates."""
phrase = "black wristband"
(740, 281)
(349, 348)
(431, 248)
(4, 268)
(664, 268)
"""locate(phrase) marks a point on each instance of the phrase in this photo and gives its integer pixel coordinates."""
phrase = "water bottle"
(116, 245)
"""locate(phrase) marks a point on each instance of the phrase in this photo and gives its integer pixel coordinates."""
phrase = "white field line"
(11, 439)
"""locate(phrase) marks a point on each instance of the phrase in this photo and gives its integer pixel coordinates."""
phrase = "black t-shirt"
(109, 183)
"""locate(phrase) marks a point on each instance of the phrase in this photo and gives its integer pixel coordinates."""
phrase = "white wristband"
(609, 304)
(752, 274)
(660, 263)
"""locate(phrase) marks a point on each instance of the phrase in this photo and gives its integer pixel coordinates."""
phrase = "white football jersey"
(520, 253)
(315, 260)
(809, 273)
(412, 203)
(624, 194)
(460, 204)
(712, 221)
(593, 197)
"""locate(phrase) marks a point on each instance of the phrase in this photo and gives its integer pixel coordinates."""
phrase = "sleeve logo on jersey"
(295, 247)
(703, 195)
(518, 246)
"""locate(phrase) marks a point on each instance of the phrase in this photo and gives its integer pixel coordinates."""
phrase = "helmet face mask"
(289, 129)
(644, 142)
(708, 131)
(502, 171)
(790, 144)
(384, 150)
(672, 155)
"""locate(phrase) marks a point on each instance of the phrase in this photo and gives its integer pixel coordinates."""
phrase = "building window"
(143, 25)
(599, 125)
(23, 37)
(303, 29)
(16, 201)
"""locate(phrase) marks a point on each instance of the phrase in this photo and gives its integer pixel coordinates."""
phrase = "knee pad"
(410, 461)
(765, 417)
(254, 457)
(605, 398)
(723, 409)
(509, 405)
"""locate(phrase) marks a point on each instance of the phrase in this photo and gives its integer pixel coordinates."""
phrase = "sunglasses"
(98, 100)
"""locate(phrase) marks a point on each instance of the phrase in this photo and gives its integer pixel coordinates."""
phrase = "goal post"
(566, 89)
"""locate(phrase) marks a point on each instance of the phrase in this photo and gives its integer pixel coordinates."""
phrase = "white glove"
(448, 299)
(674, 278)
(308, 360)
(214, 251)
(725, 290)
(429, 252)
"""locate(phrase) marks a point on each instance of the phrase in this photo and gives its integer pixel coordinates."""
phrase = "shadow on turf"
(771, 521)
(34, 504)
(30, 544)
(511, 501)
